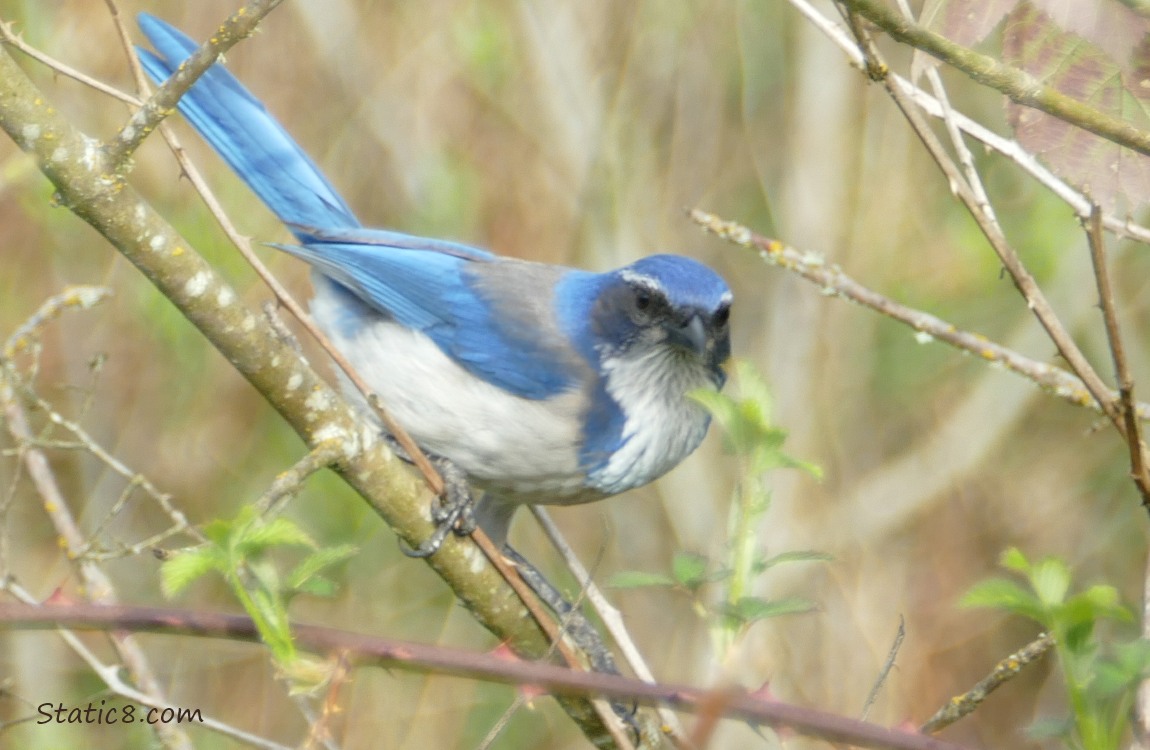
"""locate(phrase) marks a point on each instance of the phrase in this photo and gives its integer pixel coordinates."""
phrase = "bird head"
(665, 306)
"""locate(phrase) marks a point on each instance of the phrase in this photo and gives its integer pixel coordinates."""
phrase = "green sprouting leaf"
(1106, 602)
(315, 562)
(1123, 670)
(999, 593)
(1100, 602)
(265, 572)
(690, 570)
(792, 557)
(219, 531)
(1075, 640)
(316, 585)
(1014, 559)
(751, 609)
(307, 675)
(1051, 580)
(184, 567)
(1134, 656)
(1049, 728)
(637, 579)
(746, 423)
(279, 532)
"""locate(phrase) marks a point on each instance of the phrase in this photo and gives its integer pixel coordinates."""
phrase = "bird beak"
(691, 335)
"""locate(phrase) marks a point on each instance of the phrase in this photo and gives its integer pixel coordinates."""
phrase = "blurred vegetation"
(578, 133)
(1101, 674)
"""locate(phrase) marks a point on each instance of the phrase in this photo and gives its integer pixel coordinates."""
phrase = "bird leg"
(454, 510)
(574, 624)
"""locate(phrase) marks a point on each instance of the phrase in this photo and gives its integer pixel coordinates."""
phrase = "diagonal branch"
(1006, 670)
(1023, 280)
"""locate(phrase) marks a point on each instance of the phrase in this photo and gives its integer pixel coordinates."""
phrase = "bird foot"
(453, 511)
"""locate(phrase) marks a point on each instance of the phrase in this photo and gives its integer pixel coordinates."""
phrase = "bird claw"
(454, 511)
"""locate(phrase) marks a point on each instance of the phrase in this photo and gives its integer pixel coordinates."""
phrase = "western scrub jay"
(541, 383)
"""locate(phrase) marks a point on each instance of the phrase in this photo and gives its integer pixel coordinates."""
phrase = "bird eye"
(642, 299)
(722, 315)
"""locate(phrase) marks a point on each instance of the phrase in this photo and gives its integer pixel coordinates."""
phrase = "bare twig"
(287, 483)
(81, 297)
(238, 26)
(1125, 402)
(9, 37)
(87, 443)
(887, 666)
(1006, 670)
(97, 585)
(1023, 280)
(832, 281)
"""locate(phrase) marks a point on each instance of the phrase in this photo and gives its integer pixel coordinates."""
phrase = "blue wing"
(444, 289)
(508, 340)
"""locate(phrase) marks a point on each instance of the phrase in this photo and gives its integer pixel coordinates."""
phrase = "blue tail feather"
(249, 139)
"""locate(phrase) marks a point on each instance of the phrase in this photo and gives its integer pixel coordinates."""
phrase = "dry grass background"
(577, 133)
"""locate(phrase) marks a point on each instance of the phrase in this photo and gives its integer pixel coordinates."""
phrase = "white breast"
(662, 425)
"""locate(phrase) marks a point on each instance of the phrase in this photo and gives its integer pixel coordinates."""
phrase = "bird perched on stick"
(541, 383)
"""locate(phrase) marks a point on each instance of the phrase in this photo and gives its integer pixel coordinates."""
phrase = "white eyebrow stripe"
(639, 278)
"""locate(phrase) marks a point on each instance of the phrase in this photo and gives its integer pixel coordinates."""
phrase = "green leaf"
(307, 675)
(1099, 602)
(1013, 559)
(750, 609)
(275, 631)
(1124, 670)
(183, 567)
(1049, 728)
(1134, 656)
(1051, 580)
(793, 557)
(636, 579)
(278, 532)
(316, 585)
(999, 593)
(317, 561)
(219, 532)
(689, 569)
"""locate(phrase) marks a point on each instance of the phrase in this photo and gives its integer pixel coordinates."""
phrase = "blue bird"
(541, 383)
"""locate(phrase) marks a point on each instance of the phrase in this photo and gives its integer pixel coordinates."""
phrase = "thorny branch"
(370, 650)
